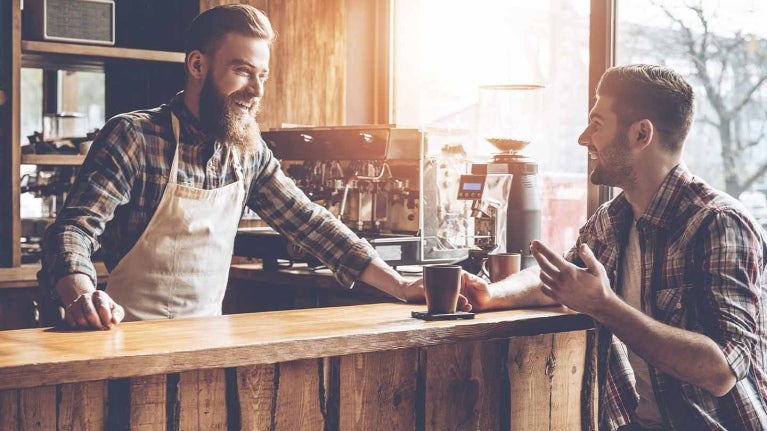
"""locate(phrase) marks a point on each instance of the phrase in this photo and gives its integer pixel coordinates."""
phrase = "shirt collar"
(660, 212)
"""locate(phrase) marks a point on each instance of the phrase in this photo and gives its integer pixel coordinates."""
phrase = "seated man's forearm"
(522, 289)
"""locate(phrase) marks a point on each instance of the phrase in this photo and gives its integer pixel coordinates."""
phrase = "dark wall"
(154, 25)
(6, 189)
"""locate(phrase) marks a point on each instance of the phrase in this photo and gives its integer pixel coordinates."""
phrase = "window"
(445, 50)
(721, 47)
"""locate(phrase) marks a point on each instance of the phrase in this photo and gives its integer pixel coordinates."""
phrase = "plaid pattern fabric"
(123, 179)
(703, 261)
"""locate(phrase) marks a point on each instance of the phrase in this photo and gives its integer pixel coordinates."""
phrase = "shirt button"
(678, 305)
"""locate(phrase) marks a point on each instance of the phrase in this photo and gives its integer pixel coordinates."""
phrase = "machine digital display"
(472, 186)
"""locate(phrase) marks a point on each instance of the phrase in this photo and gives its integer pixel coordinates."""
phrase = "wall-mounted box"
(74, 21)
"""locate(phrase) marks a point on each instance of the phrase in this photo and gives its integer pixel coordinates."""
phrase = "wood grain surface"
(148, 403)
(83, 406)
(255, 388)
(201, 400)
(36, 357)
(347, 368)
(380, 390)
(545, 377)
(35, 408)
(35, 47)
(463, 386)
(26, 275)
(300, 401)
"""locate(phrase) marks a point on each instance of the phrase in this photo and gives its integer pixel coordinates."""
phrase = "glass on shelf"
(64, 125)
(509, 116)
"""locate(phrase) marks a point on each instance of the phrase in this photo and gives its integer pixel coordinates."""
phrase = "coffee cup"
(498, 266)
(442, 284)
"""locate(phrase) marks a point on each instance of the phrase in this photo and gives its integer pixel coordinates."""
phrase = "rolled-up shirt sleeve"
(280, 203)
(731, 278)
(103, 183)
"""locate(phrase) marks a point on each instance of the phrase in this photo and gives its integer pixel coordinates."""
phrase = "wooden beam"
(10, 144)
(601, 56)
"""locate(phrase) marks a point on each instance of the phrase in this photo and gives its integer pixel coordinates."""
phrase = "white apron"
(179, 267)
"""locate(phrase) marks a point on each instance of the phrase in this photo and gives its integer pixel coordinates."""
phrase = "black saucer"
(423, 315)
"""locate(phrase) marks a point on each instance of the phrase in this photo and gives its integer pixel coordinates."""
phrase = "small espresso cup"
(442, 283)
(498, 266)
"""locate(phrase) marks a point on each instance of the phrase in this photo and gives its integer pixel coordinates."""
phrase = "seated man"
(673, 268)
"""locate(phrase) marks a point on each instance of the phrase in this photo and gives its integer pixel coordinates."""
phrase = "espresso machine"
(489, 197)
(508, 119)
(51, 185)
(374, 179)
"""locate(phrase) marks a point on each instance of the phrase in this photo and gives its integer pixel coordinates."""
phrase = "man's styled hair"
(656, 93)
(209, 28)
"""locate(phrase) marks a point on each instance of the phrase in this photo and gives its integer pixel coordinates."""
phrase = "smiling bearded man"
(230, 119)
(162, 191)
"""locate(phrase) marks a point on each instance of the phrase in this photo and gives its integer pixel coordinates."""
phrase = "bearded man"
(162, 192)
(672, 270)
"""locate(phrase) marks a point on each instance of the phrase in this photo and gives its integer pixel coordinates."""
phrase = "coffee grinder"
(508, 118)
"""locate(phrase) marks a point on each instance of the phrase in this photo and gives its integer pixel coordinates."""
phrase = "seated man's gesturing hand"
(586, 290)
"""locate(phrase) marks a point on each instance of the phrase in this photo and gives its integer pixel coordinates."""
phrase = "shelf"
(26, 275)
(96, 52)
(52, 159)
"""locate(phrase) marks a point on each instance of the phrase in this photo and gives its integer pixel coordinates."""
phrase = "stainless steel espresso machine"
(509, 226)
(377, 181)
(507, 119)
(51, 185)
(489, 197)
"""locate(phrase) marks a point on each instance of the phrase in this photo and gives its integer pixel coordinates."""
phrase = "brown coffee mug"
(498, 266)
(441, 284)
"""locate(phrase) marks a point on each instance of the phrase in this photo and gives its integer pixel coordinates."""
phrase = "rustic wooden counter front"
(363, 367)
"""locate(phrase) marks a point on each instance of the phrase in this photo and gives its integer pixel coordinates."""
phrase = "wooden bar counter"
(364, 367)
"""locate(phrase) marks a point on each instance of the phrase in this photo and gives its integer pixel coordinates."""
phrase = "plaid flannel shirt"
(123, 179)
(703, 260)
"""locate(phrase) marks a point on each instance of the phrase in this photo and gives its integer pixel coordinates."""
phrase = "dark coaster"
(423, 315)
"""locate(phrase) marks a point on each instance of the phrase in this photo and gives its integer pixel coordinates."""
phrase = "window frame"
(602, 41)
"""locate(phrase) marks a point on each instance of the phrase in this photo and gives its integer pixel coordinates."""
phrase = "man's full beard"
(222, 120)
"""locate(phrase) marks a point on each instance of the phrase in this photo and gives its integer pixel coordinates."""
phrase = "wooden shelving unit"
(52, 159)
(29, 47)
(144, 70)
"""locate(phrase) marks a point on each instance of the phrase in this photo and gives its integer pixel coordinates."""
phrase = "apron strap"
(173, 177)
(237, 165)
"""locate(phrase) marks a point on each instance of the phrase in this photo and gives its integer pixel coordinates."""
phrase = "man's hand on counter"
(86, 307)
